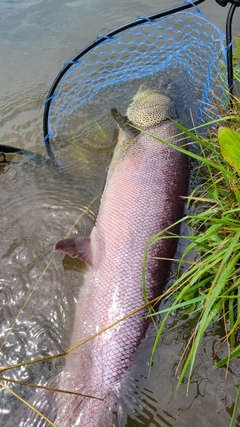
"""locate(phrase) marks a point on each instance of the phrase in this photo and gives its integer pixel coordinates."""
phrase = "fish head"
(150, 107)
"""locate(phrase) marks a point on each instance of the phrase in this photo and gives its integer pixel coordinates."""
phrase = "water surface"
(39, 206)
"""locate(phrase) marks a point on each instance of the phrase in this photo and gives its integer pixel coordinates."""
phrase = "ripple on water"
(38, 208)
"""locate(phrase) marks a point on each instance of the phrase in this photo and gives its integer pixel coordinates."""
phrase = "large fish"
(143, 195)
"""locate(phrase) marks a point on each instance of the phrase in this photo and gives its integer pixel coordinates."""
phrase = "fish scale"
(141, 198)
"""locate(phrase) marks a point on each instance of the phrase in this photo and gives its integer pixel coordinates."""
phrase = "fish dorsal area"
(150, 107)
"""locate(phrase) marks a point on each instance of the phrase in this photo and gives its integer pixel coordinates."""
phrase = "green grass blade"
(235, 406)
(235, 353)
(179, 305)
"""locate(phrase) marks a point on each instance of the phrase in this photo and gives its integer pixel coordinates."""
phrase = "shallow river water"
(39, 205)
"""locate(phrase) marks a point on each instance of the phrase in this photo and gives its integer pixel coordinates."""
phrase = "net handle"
(234, 5)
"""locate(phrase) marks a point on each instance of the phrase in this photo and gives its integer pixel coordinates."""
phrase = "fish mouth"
(124, 123)
(115, 114)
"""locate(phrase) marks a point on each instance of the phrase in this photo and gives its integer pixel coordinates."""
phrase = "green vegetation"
(210, 286)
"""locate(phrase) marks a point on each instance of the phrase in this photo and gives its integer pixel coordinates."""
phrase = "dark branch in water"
(9, 149)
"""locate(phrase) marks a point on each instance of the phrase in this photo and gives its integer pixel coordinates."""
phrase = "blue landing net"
(182, 54)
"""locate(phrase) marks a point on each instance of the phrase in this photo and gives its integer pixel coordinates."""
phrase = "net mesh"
(185, 45)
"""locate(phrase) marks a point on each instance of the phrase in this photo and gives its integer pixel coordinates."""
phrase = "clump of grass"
(211, 284)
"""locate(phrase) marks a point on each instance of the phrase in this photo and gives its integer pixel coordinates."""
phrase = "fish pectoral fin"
(79, 247)
(124, 123)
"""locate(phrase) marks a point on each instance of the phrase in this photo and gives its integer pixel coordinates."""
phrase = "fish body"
(142, 196)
